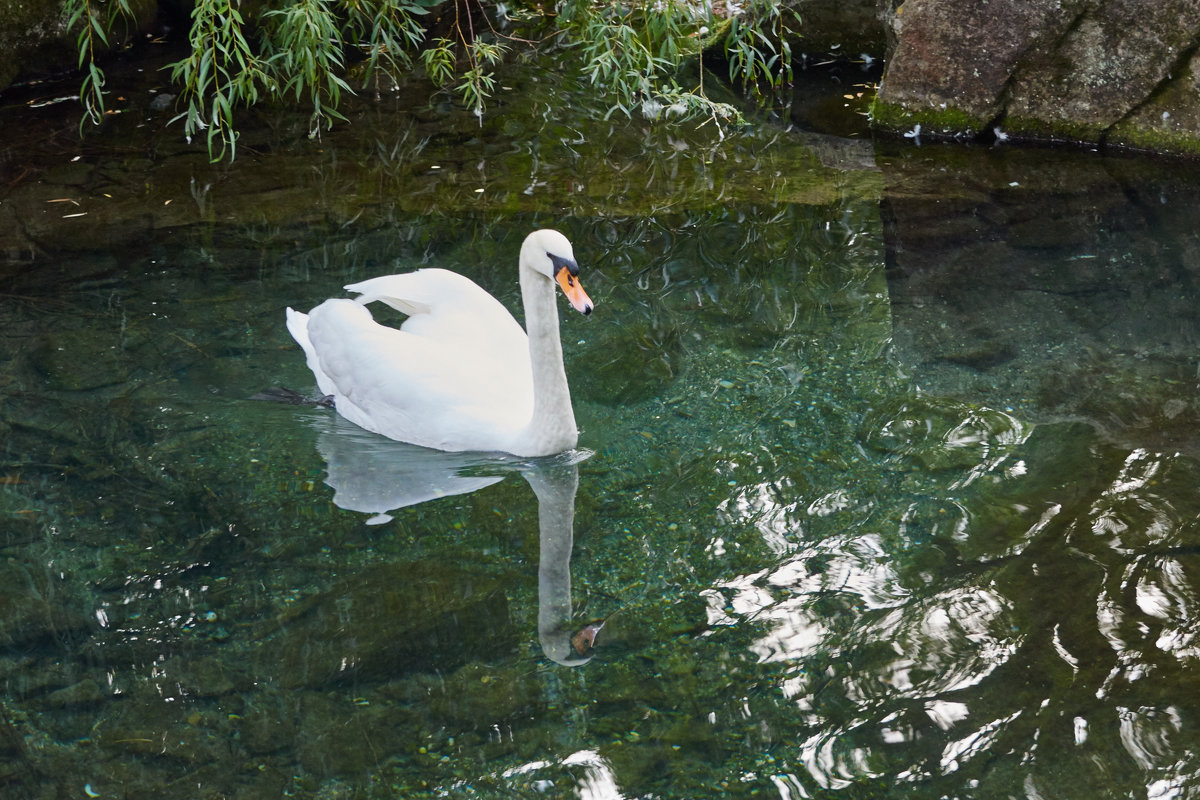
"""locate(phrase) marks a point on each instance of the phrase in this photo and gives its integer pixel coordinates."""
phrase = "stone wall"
(1120, 72)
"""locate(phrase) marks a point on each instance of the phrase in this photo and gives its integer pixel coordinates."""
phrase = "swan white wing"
(445, 305)
(459, 393)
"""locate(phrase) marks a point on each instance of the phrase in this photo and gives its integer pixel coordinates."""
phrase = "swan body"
(459, 373)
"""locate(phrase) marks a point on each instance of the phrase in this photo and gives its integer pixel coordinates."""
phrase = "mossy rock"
(387, 621)
(940, 122)
(1169, 121)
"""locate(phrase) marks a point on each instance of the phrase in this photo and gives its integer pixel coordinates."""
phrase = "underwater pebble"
(85, 692)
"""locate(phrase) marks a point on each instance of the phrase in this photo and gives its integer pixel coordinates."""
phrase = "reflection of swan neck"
(552, 428)
(555, 488)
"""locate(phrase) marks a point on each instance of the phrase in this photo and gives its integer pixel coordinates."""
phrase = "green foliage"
(475, 83)
(760, 56)
(439, 62)
(297, 51)
(220, 72)
(386, 30)
(632, 50)
(93, 28)
(303, 63)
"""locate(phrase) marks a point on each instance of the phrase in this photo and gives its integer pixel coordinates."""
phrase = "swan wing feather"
(444, 305)
(448, 393)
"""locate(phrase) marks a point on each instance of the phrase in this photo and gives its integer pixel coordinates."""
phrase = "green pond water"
(888, 480)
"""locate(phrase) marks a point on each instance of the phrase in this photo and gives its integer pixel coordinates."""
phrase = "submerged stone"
(39, 608)
(86, 692)
(386, 621)
(81, 360)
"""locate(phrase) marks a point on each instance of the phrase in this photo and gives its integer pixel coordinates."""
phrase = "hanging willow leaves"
(298, 52)
(220, 72)
(93, 25)
(304, 63)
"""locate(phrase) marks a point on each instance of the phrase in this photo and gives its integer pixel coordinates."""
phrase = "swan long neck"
(552, 428)
(555, 487)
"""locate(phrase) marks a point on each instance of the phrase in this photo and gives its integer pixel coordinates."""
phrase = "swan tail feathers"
(297, 325)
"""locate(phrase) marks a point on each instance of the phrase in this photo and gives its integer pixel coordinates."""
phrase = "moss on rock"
(1060, 130)
(1169, 121)
(943, 121)
(1158, 141)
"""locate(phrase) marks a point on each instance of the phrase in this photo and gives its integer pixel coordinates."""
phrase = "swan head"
(548, 253)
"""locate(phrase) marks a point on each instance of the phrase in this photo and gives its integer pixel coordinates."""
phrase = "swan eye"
(561, 263)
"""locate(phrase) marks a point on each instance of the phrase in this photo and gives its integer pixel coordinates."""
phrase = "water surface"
(887, 483)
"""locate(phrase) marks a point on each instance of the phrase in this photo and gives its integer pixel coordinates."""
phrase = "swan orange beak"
(573, 289)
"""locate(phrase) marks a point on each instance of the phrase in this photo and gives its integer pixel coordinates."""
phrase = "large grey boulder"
(1096, 71)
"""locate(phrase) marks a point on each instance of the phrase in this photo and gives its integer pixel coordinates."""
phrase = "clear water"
(889, 481)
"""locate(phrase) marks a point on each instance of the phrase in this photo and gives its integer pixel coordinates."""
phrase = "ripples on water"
(892, 488)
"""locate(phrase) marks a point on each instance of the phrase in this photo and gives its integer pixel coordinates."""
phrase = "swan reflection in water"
(378, 476)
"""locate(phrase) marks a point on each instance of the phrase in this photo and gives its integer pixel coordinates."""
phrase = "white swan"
(459, 374)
